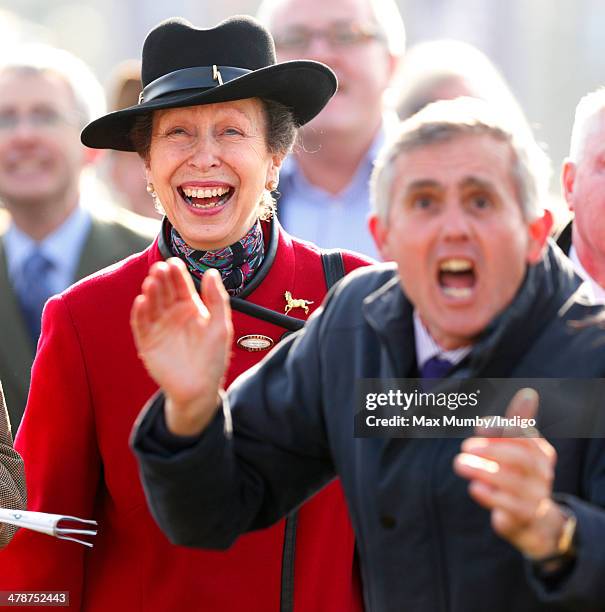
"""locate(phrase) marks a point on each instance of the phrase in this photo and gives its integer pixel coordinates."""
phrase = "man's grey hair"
(448, 119)
(386, 14)
(587, 110)
(40, 58)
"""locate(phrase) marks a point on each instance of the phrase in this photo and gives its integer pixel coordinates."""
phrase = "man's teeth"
(455, 265)
(205, 193)
(457, 292)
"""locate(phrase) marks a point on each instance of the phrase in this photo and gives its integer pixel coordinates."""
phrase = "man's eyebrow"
(424, 184)
(472, 182)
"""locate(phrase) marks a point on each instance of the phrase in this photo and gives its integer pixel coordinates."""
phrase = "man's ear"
(568, 178)
(379, 231)
(539, 231)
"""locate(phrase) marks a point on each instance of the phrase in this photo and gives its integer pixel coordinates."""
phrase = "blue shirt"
(330, 221)
(62, 248)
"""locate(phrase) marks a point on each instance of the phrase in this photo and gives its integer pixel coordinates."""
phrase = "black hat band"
(203, 77)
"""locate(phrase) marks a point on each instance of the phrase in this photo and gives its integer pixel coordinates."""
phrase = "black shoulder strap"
(334, 270)
(266, 314)
(334, 266)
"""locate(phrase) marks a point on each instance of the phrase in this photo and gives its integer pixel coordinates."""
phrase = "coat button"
(388, 521)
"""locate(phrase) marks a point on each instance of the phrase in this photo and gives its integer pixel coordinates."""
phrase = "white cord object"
(50, 524)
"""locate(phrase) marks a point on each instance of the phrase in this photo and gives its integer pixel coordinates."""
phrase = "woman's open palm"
(183, 340)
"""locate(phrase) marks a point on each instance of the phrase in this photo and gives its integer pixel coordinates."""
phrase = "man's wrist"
(565, 547)
(190, 418)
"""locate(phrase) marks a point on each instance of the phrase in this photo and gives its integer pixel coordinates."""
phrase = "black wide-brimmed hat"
(185, 66)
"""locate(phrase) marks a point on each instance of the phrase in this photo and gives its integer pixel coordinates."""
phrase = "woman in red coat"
(216, 118)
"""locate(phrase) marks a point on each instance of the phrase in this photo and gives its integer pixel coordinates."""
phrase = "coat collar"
(390, 314)
(549, 288)
(564, 238)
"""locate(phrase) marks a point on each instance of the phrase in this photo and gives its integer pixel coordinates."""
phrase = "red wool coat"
(88, 386)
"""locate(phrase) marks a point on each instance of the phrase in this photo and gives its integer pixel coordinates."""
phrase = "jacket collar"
(548, 289)
(390, 314)
(563, 239)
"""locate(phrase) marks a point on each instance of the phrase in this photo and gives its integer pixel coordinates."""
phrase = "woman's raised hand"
(184, 341)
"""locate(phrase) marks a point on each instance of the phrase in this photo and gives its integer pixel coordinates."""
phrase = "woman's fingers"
(216, 299)
(139, 318)
(182, 283)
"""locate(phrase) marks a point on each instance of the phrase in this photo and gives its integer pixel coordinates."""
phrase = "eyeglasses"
(341, 34)
(41, 119)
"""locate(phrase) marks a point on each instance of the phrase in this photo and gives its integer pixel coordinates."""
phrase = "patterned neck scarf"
(236, 263)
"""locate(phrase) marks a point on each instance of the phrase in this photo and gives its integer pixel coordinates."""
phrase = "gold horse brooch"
(296, 303)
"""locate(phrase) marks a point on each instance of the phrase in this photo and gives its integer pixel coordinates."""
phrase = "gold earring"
(151, 190)
(266, 206)
(272, 185)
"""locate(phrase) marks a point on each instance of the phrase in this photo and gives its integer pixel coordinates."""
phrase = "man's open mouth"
(209, 197)
(457, 277)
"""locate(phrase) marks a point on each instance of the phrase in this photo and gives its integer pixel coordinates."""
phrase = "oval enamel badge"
(255, 342)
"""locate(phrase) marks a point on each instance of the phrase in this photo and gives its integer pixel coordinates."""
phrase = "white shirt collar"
(427, 347)
(597, 293)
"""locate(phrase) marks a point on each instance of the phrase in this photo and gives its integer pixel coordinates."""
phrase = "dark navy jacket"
(424, 545)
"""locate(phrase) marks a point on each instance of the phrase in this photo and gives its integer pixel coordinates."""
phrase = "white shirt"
(597, 293)
(427, 347)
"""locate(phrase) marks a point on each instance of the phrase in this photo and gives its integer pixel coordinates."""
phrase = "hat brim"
(305, 87)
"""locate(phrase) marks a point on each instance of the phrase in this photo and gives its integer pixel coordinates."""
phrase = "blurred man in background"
(125, 170)
(49, 239)
(446, 69)
(324, 185)
(583, 181)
